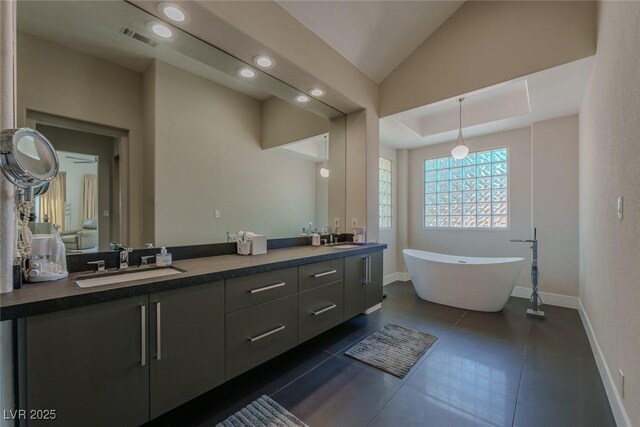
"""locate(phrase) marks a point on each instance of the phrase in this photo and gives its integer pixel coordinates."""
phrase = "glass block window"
(468, 193)
(384, 179)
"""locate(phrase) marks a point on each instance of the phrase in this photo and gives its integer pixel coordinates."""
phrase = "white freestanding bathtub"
(482, 284)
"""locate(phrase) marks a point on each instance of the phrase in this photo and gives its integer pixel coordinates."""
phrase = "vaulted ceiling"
(374, 36)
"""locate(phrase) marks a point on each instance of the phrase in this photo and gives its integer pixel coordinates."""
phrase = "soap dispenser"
(315, 239)
(163, 259)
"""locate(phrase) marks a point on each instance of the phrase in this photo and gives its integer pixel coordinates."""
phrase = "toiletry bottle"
(163, 259)
(315, 239)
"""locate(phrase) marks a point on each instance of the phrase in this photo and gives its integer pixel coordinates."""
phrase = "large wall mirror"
(162, 140)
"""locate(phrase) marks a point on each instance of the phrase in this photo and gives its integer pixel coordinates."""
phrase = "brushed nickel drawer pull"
(266, 334)
(267, 288)
(158, 332)
(143, 335)
(326, 273)
(324, 310)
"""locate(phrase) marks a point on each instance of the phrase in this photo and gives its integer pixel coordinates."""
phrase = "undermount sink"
(346, 246)
(125, 276)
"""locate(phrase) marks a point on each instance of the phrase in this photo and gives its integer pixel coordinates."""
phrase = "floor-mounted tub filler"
(536, 302)
(473, 283)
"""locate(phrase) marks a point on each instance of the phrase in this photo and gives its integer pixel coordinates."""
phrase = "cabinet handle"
(326, 273)
(267, 288)
(158, 331)
(368, 270)
(143, 335)
(363, 277)
(324, 310)
(266, 334)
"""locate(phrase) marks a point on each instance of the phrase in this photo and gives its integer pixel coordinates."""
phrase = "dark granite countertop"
(39, 298)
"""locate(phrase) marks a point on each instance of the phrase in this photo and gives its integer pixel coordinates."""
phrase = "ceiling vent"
(132, 34)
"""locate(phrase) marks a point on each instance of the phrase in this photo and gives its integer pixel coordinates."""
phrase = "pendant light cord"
(326, 151)
(460, 115)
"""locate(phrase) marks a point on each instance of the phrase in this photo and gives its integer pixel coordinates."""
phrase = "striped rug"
(392, 349)
(263, 412)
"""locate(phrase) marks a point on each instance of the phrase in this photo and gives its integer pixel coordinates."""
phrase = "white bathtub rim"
(455, 259)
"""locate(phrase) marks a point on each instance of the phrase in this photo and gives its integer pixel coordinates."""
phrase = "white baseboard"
(548, 298)
(615, 401)
(395, 277)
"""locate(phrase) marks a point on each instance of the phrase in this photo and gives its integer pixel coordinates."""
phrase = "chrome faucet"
(124, 256)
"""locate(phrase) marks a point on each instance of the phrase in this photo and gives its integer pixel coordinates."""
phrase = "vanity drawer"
(320, 309)
(320, 273)
(247, 291)
(259, 333)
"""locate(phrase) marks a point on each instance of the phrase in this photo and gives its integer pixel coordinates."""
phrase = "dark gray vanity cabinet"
(120, 362)
(319, 310)
(362, 283)
(259, 333)
(90, 364)
(374, 287)
(186, 345)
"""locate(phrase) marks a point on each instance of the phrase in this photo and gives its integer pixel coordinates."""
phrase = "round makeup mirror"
(27, 158)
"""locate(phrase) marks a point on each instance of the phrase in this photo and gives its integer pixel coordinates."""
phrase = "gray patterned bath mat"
(263, 412)
(392, 349)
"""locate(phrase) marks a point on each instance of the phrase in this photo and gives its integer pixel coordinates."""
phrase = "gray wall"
(486, 43)
(555, 202)
(283, 123)
(610, 166)
(212, 159)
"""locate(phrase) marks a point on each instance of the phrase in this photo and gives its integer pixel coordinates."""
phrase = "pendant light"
(324, 171)
(460, 150)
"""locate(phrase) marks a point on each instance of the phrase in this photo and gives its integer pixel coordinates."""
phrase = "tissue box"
(258, 244)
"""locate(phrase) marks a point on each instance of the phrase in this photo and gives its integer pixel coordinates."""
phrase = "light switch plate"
(216, 213)
(620, 206)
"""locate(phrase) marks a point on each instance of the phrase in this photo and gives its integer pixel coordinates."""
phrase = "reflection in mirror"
(39, 161)
(182, 149)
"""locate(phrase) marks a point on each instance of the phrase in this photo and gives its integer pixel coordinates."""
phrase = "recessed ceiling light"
(173, 12)
(247, 73)
(160, 29)
(302, 98)
(264, 61)
(317, 92)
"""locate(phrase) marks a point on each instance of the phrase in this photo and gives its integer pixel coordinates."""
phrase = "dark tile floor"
(500, 369)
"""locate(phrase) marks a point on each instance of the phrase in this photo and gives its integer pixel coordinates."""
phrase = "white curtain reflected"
(89, 201)
(52, 202)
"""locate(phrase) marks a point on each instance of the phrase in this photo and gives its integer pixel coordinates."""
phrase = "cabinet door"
(374, 287)
(186, 344)
(362, 283)
(354, 285)
(90, 364)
